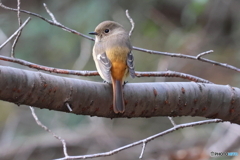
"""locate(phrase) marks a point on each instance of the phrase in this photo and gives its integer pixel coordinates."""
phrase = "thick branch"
(141, 99)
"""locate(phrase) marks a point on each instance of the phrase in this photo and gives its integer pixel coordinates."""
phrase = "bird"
(112, 54)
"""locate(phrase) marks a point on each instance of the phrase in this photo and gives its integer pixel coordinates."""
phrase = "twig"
(95, 73)
(49, 21)
(68, 106)
(49, 69)
(18, 12)
(48, 130)
(172, 121)
(178, 55)
(20, 31)
(146, 140)
(132, 23)
(172, 74)
(143, 148)
(50, 14)
(203, 53)
(15, 33)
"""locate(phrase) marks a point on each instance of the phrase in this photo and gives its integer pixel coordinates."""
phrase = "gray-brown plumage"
(113, 58)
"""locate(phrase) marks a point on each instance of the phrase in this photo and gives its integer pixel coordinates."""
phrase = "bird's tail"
(118, 103)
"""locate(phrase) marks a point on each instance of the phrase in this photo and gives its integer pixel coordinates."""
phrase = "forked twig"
(172, 74)
(178, 55)
(49, 69)
(49, 21)
(203, 53)
(95, 73)
(50, 14)
(15, 33)
(146, 140)
(48, 130)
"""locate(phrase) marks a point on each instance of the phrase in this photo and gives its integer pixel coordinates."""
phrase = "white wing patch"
(99, 57)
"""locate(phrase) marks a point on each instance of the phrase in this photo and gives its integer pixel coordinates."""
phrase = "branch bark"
(142, 99)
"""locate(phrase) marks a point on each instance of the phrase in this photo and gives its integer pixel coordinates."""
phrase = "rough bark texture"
(141, 99)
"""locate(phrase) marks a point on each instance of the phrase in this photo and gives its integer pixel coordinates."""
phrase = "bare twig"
(203, 53)
(178, 55)
(172, 121)
(20, 31)
(48, 130)
(172, 74)
(132, 23)
(49, 21)
(68, 106)
(146, 140)
(15, 33)
(49, 69)
(143, 148)
(50, 14)
(95, 73)
(18, 12)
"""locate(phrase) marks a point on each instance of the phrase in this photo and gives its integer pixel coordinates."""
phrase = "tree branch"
(48, 21)
(178, 55)
(49, 69)
(142, 99)
(15, 33)
(203, 54)
(89, 98)
(143, 141)
(95, 73)
(171, 74)
(20, 31)
(132, 23)
(48, 130)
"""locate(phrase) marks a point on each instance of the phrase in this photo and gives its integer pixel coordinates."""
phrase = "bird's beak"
(93, 33)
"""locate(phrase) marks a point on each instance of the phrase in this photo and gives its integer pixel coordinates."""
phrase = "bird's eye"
(106, 30)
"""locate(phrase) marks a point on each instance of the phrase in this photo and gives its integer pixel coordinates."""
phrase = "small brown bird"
(113, 58)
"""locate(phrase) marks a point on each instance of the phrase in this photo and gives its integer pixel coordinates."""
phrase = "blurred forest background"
(179, 26)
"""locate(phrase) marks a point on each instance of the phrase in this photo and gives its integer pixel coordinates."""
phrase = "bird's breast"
(118, 54)
(118, 59)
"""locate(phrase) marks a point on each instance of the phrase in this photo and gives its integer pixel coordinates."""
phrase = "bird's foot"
(125, 82)
(106, 82)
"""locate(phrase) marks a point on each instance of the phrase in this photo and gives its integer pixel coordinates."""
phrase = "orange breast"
(118, 70)
(118, 58)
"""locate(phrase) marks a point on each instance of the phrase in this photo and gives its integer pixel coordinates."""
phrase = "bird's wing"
(130, 64)
(105, 66)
